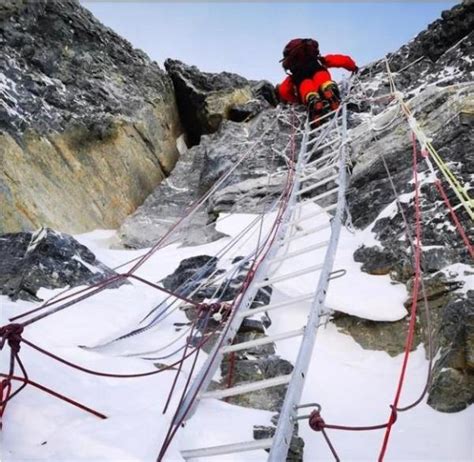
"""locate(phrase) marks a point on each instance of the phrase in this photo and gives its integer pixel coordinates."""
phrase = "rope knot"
(316, 422)
(11, 333)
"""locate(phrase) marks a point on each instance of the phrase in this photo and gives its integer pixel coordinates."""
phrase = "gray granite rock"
(46, 259)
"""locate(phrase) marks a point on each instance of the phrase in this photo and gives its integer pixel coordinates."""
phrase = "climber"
(309, 81)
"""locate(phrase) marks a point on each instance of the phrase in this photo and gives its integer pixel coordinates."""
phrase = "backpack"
(299, 53)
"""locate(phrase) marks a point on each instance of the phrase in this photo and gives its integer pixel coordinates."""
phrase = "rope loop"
(315, 421)
(11, 333)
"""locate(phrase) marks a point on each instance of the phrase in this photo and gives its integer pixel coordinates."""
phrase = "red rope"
(28, 381)
(330, 445)
(107, 374)
(174, 426)
(191, 333)
(416, 287)
(454, 217)
(162, 289)
(99, 286)
(5, 390)
(230, 375)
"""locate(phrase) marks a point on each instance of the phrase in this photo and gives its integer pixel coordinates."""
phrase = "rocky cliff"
(434, 72)
(87, 123)
(90, 110)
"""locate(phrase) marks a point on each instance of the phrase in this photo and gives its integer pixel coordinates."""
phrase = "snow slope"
(353, 385)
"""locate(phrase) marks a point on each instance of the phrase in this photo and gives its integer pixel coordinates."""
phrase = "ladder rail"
(199, 387)
(286, 421)
(226, 337)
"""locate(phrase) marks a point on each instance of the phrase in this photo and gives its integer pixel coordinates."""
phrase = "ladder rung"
(317, 172)
(314, 214)
(317, 185)
(287, 256)
(227, 449)
(247, 387)
(284, 277)
(329, 114)
(262, 341)
(275, 306)
(307, 232)
(319, 159)
(323, 146)
(324, 194)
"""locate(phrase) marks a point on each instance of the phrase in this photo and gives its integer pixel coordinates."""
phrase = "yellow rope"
(456, 186)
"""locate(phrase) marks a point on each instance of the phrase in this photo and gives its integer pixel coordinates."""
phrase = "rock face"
(30, 261)
(87, 123)
(248, 188)
(206, 99)
(435, 79)
(440, 54)
(434, 71)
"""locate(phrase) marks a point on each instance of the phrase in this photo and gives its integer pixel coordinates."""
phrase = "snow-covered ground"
(353, 385)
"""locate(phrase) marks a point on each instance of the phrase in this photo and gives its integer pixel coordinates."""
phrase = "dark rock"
(46, 259)
(204, 99)
(251, 325)
(375, 335)
(247, 189)
(266, 92)
(252, 370)
(451, 390)
(375, 260)
(245, 112)
(87, 69)
(438, 258)
(452, 386)
(190, 273)
(295, 452)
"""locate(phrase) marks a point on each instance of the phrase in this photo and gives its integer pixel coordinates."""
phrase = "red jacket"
(288, 92)
(343, 61)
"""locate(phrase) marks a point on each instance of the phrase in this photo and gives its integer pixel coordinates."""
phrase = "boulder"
(206, 99)
(249, 188)
(452, 386)
(46, 259)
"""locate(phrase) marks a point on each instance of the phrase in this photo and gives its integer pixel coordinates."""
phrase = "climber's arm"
(343, 61)
(286, 91)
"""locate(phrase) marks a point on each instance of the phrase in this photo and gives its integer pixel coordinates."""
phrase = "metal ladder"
(311, 164)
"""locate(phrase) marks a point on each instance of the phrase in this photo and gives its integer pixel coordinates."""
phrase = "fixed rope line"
(55, 298)
(286, 422)
(101, 285)
(427, 311)
(457, 187)
(187, 405)
(414, 304)
(258, 282)
(229, 246)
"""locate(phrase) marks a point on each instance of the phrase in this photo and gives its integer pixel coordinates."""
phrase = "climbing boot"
(316, 108)
(330, 93)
